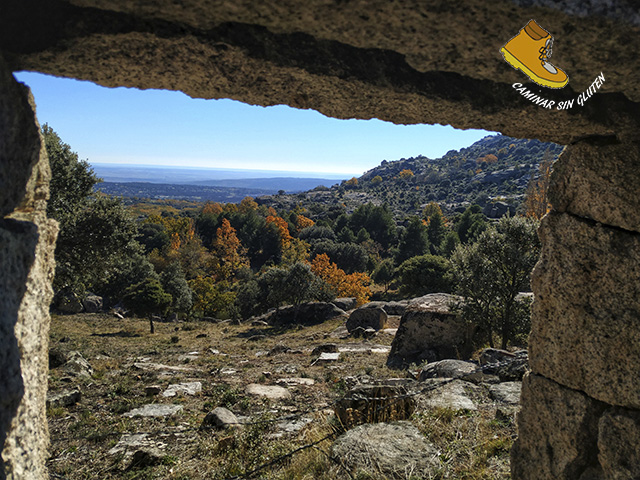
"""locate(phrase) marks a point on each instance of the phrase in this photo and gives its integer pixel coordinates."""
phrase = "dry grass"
(473, 446)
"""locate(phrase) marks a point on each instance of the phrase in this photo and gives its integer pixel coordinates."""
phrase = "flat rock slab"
(327, 358)
(507, 392)
(130, 442)
(150, 367)
(290, 382)
(183, 389)
(272, 392)
(447, 394)
(154, 410)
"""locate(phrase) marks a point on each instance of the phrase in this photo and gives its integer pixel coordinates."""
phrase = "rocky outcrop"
(367, 317)
(374, 403)
(27, 240)
(305, 314)
(429, 331)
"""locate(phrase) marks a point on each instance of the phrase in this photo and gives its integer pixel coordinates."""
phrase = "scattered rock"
(259, 323)
(57, 357)
(467, 371)
(327, 358)
(312, 313)
(392, 450)
(202, 335)
(65, 398)
(325, 348)
(374, 403)
(221, 418)
(366, 333)
(507, 392)
(149, 366)
(289, 426)
(345, 303)
(272, 392)
(131, 442)
(152, 390)
(391, 308)
(154, 410)
(293, 381)
(68, 302)
(279, 349)
(183, 389)
(92, 303)
(147, 457)
(508, 366)
(505, 415)
(446, 394)
(430, 331)
(77, 365)
(367, 317)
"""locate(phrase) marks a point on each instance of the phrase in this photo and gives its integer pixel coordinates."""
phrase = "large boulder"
(430, 331)
(311, 313)
(68, 302)
(387, 450)
(367, 317)
(458, 369)
(345, 303)
(92, 304)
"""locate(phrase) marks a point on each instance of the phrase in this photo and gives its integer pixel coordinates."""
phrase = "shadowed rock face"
(405, 62)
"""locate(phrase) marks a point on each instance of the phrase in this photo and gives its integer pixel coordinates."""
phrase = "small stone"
(202, 335)
(220, 417)
(77, 365)
(279, 349)
(152, 390)
(183, 389)
(144, 458)
(65, 398)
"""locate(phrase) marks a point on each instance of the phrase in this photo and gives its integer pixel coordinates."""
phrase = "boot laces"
(545, 51)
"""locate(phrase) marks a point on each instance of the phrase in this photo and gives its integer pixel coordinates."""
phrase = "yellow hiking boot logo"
(529, 51)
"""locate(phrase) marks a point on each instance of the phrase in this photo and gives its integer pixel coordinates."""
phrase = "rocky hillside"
(494, 169)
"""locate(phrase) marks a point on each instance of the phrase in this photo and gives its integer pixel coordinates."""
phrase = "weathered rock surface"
(584, 337)
(561, 428)
(448, 368)
(506, 365)
(506, 392)
(77, 365)
(345, 303)
(374, 403)
(92, 303)
(65, 398)
(129, 443)
(220, 417)
(68, 302)
(392, 450)
(154, 410)
(189, 388)
(311, 313)
(599, 182)
(367, 317)
(618, 440)
(272, 392)
(445, 393)
(429, 331)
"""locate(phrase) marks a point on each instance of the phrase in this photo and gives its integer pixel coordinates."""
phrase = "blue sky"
(158, 127)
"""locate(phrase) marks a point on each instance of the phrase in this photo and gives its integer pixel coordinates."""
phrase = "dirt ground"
(132, 367)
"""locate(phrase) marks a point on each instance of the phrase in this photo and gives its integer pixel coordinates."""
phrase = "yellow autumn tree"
(212, 208)
(352, 285)
(229, 256)
(405, 174)
(248, 204)
(283, 228)
(303, 222)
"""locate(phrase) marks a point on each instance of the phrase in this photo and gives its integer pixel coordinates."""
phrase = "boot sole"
(518, 65)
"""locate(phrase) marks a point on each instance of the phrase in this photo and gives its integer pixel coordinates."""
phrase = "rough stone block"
(586, 315)
(600, 182)
(558, 430)
(618, 440)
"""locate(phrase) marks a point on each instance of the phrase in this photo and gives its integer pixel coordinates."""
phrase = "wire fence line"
(387, 402)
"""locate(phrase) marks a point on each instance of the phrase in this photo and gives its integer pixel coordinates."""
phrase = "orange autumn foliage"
(352, 285)
(212, 207)
(229, 255)
(304, 222)
(283, 228)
